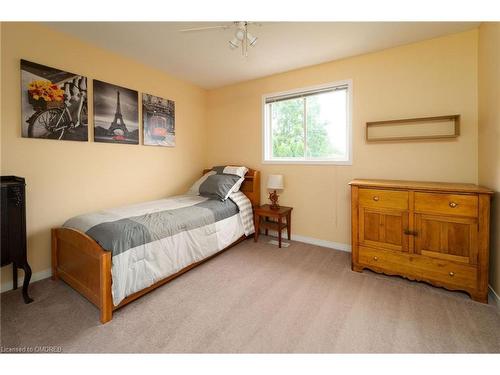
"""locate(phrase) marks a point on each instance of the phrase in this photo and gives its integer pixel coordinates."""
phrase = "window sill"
(309, 162)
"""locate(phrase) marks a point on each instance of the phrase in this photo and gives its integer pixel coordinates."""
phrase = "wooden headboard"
(250, 187)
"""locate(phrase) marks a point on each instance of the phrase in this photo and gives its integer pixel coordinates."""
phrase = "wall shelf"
(422, 128)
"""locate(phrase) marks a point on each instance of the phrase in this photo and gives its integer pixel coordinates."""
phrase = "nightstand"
(262, 220)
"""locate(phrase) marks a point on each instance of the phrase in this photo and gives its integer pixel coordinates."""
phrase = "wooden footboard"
(85, 266)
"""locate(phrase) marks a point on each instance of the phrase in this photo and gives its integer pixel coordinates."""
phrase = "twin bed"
(115, 256)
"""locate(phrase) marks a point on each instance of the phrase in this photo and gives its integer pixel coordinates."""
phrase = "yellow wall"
(434, 77)
(67, 178)
(489, 133)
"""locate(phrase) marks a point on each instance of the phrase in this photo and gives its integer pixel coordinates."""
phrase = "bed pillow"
(195, 188)
(220, 186)
(229, 169)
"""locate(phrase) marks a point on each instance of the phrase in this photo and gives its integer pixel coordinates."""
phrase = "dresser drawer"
(383, 198)
(419, 267)
(447, 204)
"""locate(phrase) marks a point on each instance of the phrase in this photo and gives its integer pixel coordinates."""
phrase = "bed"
(182, 232)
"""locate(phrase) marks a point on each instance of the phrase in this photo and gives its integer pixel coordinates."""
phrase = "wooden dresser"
(427, 231)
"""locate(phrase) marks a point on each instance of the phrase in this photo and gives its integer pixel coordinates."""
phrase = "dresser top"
(422, 185)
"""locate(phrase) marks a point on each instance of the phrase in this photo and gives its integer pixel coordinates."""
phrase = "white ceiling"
(205, 58)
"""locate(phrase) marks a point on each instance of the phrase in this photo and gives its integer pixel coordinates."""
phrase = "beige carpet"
(258, 298)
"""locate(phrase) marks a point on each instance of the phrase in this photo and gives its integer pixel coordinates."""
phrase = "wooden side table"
(262, 215)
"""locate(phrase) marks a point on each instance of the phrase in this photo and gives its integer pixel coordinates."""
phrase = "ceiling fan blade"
(205, 28)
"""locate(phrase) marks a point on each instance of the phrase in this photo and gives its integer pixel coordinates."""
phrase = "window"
(308, 126)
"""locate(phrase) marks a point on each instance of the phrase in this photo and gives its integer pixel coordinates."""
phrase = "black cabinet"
(13, 225)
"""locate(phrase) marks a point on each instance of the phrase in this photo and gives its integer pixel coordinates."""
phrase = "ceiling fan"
(242, 37)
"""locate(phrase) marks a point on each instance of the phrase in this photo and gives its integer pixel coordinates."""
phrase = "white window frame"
(266, 130)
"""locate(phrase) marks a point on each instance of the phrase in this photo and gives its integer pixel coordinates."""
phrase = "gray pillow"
(220, 186)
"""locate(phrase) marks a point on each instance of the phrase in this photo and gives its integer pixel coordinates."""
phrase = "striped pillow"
(229, 169)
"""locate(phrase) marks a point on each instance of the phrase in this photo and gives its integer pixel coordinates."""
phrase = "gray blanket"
(123, 234)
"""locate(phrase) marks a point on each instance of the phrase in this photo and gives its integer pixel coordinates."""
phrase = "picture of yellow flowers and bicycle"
(54, 103)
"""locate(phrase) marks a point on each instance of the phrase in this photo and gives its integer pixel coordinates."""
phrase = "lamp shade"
(234, 43)
(252, 40)
(240, 34)
(275, 182)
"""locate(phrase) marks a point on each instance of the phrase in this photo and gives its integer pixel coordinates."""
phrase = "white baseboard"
(34, 277)
(493, 298)
(317, 241)
(323, 243)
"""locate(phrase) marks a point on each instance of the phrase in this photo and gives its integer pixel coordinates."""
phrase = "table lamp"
(274, 182)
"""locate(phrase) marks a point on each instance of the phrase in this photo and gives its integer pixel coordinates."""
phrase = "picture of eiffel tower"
(118, 122)
(116, 113)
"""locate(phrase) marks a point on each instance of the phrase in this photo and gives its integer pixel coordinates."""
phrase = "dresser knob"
(376, 198)
(453, 204)
(452, 273)
(410, 232)
(375, 258)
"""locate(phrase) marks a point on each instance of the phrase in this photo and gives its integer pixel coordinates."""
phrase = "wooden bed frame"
(82, 263)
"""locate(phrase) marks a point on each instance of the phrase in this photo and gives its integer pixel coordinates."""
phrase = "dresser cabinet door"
(447, 237)
(15, 224)
(383, 228)
(5, 248)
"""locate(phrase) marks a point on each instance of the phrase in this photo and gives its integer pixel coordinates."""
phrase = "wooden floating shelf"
(422, 128)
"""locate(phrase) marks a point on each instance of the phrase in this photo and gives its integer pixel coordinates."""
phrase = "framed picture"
(116, 114)
(53, 103)
(158, 121)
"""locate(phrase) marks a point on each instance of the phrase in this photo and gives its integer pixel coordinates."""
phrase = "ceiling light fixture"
(243, 38)
(252, 40)
(234, 43)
